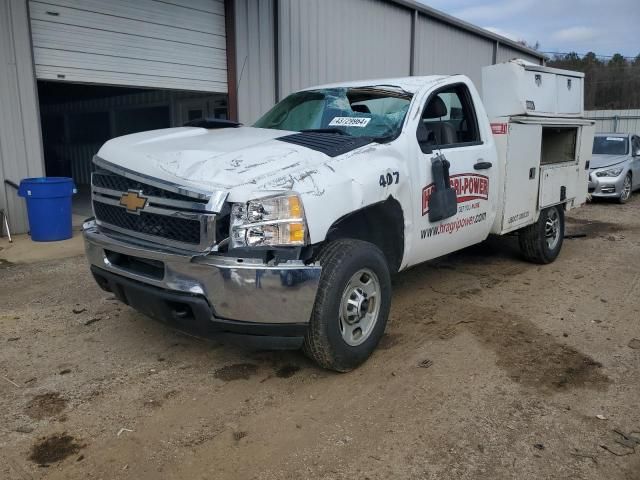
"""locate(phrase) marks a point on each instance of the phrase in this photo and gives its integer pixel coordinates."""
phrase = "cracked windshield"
(360, 112)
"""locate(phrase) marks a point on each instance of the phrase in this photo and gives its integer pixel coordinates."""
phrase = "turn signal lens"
(296, 233)
(295, 209)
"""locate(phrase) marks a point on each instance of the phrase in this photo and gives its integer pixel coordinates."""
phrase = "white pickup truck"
(287, 232)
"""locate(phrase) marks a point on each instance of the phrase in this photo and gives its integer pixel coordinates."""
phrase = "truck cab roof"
(409, 84)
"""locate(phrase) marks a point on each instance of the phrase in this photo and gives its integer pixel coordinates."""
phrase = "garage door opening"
(76, 119)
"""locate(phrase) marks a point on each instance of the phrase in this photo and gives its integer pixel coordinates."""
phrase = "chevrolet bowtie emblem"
(133, 201)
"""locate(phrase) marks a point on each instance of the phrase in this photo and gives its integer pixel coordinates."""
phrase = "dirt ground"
(491, 368)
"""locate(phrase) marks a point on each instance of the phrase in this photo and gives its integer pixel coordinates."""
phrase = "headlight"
(612, 172)
(270, 221)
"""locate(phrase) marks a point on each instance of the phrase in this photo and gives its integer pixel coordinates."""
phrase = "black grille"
(172, 228)
(122, 184)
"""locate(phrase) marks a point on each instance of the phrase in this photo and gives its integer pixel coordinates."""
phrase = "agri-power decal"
(452, 227)
(468, 186)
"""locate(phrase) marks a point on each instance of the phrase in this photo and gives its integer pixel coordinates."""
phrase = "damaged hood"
(601, 161)
(214, 160)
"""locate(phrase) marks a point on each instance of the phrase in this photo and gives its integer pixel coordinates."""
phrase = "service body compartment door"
(570, 95)
(560, 184)
(540, 90)
(568, 182)
(521, 176)
(585, 149)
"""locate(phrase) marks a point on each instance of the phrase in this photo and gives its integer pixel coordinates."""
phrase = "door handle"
(482, 165)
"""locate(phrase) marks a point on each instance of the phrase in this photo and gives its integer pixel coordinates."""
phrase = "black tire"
(533, 242)
(622, 199)
(340, 261)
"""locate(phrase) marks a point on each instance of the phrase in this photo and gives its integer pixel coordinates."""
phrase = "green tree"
(612, 84)
(591, 59)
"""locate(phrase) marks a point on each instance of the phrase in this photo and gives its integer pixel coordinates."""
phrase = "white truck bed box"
(523, 88)
(544, 161)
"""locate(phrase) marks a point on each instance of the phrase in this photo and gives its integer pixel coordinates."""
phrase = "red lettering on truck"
(468, 186)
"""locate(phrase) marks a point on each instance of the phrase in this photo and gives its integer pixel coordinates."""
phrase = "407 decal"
(468, 186)
(389, 178)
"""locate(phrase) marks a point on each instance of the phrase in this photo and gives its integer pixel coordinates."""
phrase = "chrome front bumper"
(236, 289)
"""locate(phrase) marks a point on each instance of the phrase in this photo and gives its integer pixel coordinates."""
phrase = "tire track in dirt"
(528, 355)
(532, 357)
(633, 288)
(45, 405)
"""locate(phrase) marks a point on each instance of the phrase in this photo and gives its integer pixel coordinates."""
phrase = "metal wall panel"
(255, 58)
(615, 121)
(324, 41)
(506, 53)
(321, 41)
(177, 44)
(445, 49)
(203, 5)
(20, 139)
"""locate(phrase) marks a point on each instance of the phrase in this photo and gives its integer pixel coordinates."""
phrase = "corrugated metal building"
(616, 121)
(72, 72)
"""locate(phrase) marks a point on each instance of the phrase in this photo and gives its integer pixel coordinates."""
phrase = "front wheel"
(627, 188)
(542, 241)
(352, 305)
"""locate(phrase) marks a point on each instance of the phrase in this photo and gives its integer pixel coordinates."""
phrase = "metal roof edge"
(456, 22)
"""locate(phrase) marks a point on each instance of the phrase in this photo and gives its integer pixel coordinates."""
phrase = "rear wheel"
(352, 305)
(542, 241)
(625, 194)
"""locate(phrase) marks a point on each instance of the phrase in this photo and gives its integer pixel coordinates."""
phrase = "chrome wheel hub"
(552, 229)
(359, 307)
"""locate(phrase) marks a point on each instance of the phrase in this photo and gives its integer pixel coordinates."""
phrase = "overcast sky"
(602, 26)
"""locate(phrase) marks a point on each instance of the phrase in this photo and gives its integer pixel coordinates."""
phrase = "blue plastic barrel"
(48, 207)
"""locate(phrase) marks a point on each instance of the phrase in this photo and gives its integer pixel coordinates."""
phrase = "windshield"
(610, 145)
(375, 112)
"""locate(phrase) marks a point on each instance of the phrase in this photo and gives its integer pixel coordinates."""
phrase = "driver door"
(450, 127)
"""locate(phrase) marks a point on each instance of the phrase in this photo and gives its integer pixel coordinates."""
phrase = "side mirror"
(636, 153)
(443, 202)
(423, 139)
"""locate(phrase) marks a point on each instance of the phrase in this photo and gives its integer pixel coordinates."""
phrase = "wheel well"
(381, 224)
